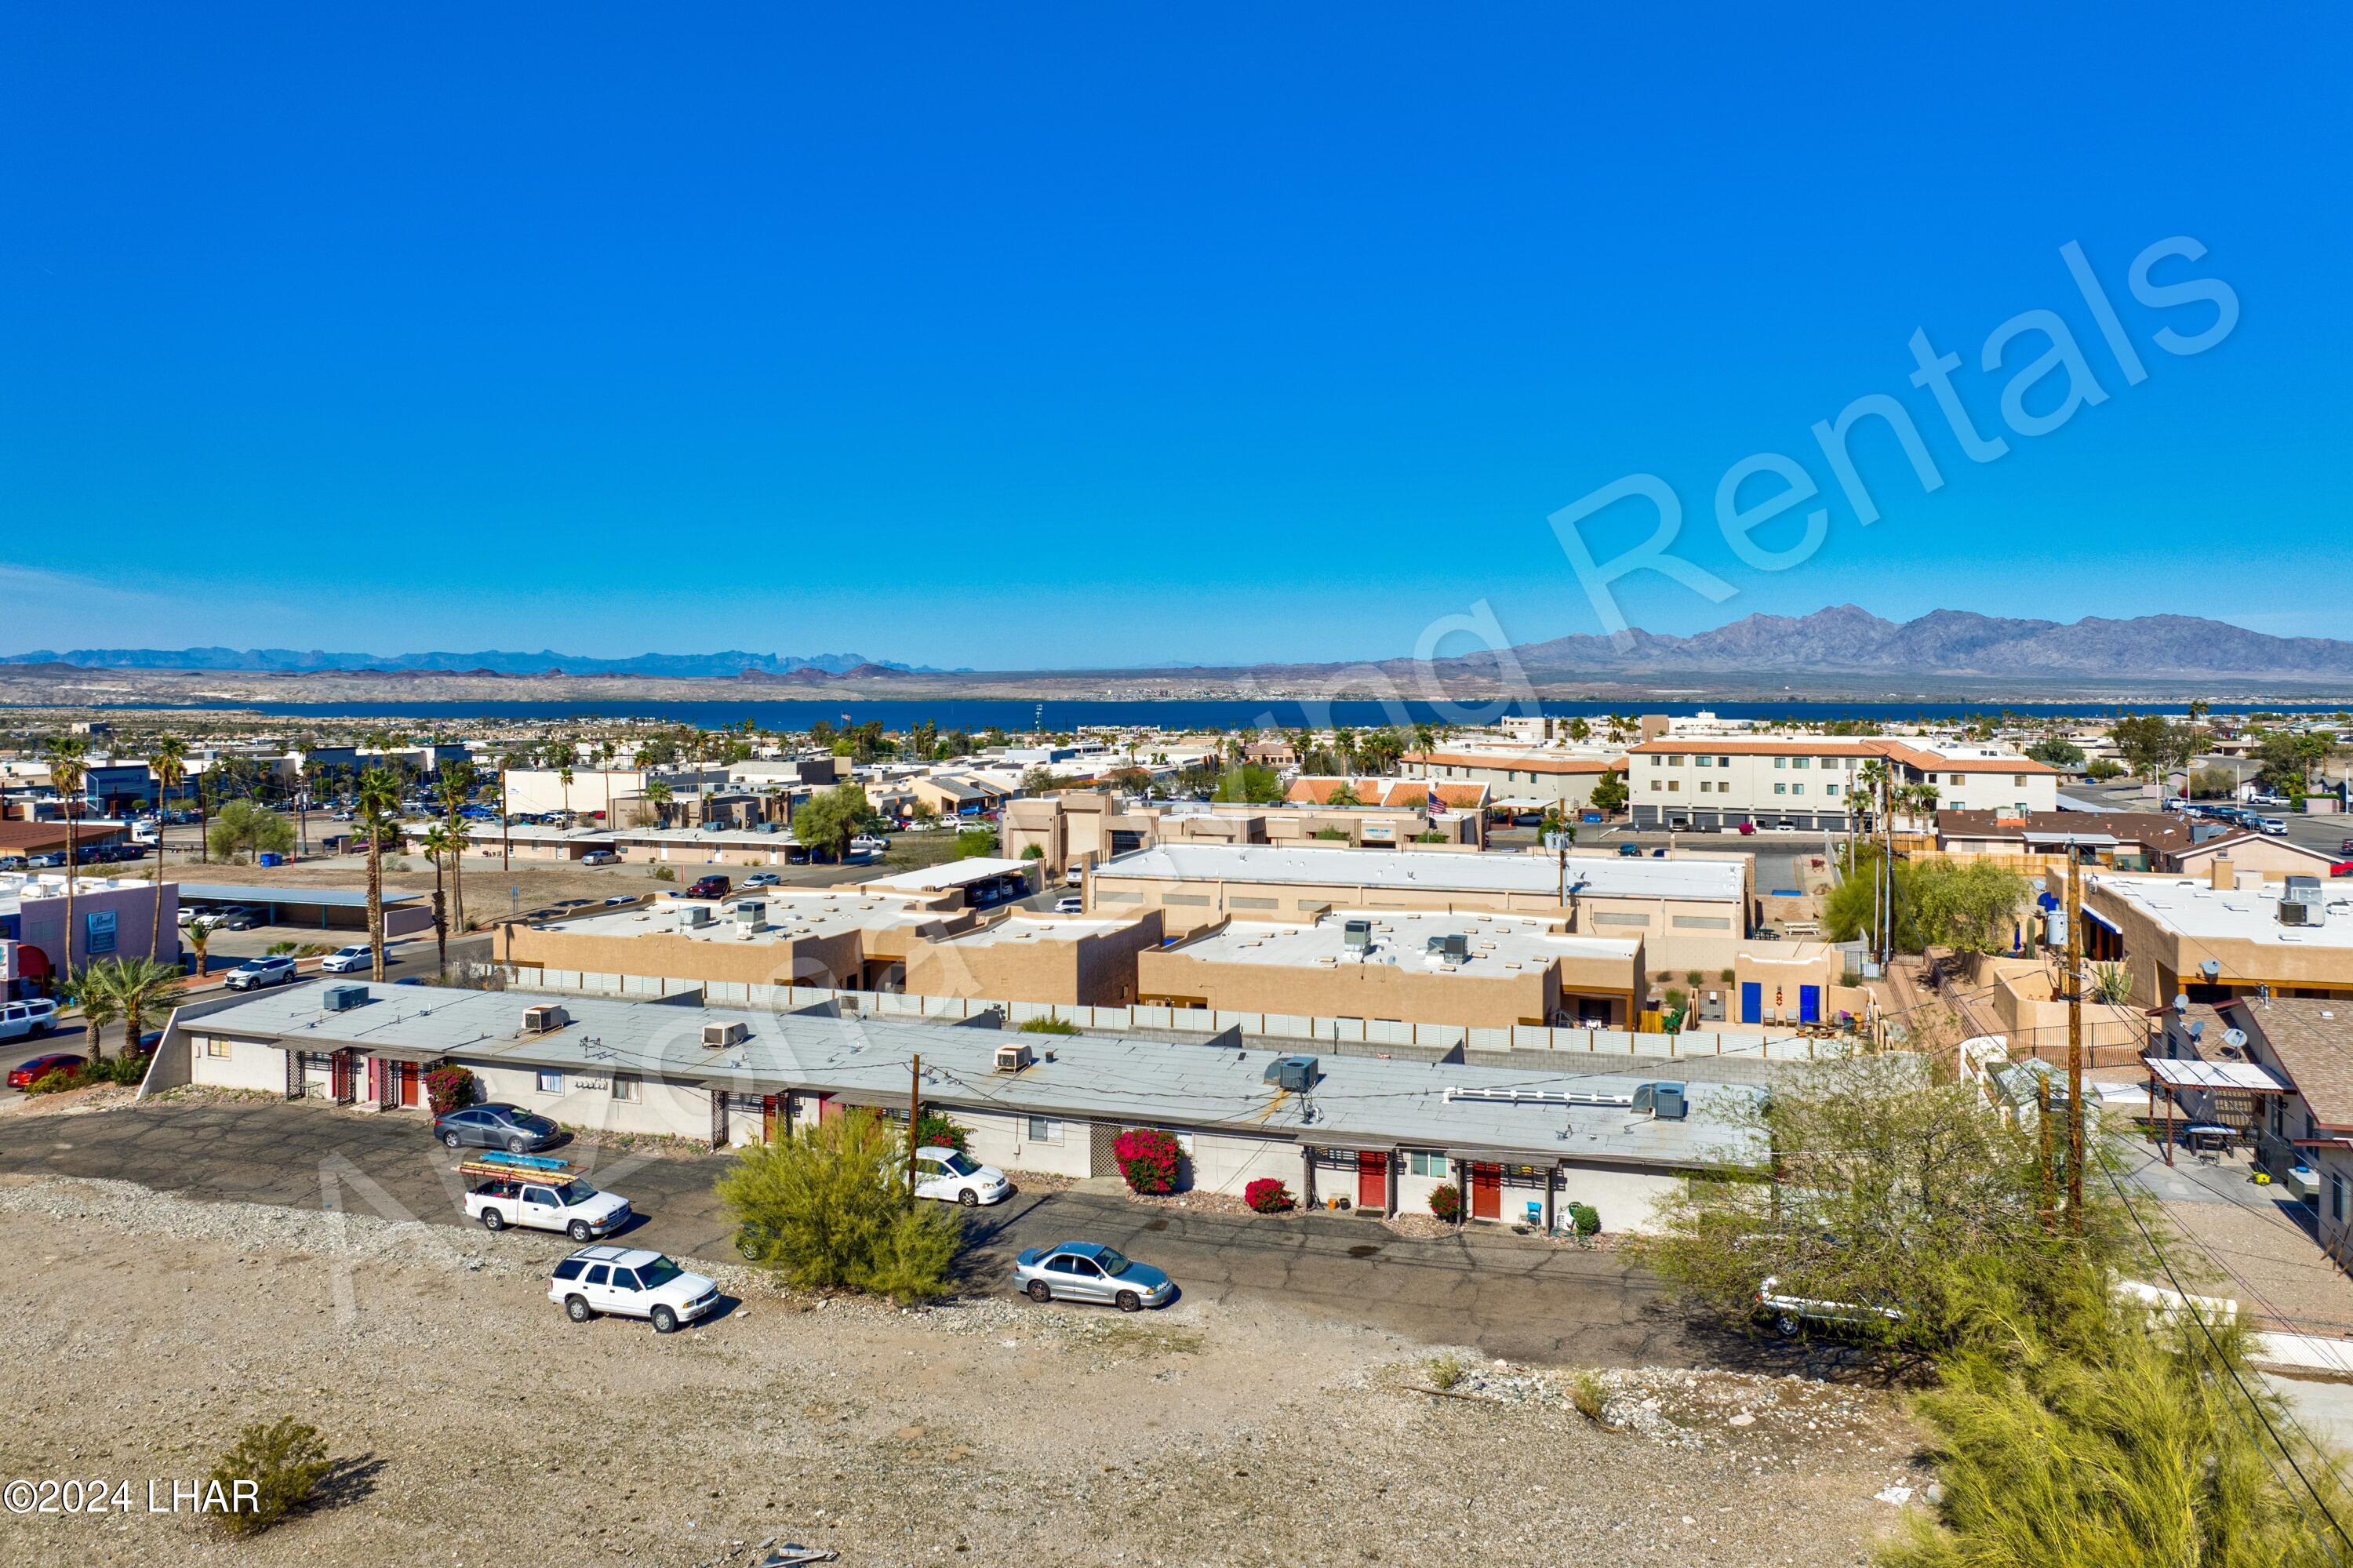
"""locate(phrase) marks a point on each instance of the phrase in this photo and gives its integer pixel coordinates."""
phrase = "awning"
(2240, 1077)
(2096, 917)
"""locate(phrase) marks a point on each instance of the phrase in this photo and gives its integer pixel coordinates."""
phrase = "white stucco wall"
(245, 1066)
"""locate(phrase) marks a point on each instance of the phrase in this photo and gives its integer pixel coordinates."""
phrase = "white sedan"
(346, 960)
(952, 1176)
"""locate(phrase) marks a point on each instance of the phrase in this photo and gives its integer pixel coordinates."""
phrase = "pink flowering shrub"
(1149, 1159)
(1269, 1196)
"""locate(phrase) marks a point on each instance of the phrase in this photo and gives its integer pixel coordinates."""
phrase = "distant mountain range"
(289, 661)
(1841, 643)
(1848, 640)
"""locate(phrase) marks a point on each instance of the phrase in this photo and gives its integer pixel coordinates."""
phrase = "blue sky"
(1063, 334)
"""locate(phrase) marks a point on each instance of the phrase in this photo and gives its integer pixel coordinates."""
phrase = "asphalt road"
(1510, 1295)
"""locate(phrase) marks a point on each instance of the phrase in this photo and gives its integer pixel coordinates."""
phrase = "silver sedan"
(1089, 1271)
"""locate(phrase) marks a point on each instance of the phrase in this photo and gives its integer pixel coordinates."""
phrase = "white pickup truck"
(542, 1202)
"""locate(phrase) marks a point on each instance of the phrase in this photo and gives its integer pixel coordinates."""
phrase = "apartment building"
(1811, 782)
(2218, 935)
(1384, 1134)
(1519, 780)
(1087, 828)
(846, 938)
(1689, 911)
(1057, 959)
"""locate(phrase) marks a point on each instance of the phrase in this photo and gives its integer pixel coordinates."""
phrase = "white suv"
(630, 1282)
(263, 971)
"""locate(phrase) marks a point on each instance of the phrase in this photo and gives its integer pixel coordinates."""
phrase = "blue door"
(1810, 1004)
(1752, 1002)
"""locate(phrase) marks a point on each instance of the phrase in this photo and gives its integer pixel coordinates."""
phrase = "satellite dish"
(2197, 1027)
(2235, 1038)
(2210, 969)
(2180, 1005)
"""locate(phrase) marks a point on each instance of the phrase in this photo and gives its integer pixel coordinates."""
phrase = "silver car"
(1089, 1271)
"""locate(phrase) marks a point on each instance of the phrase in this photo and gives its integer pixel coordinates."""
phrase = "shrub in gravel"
(447, 1089)
(1585, 1218)
(1446, 1202)
(285, 1460)
(1269, 1196)
(829, 1210)
(1149, 1159)
(1445, 1370)
(56, 1081)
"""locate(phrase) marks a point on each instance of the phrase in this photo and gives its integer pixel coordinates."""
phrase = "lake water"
(975, 714)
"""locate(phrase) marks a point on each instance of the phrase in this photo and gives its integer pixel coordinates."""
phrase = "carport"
(318, 908)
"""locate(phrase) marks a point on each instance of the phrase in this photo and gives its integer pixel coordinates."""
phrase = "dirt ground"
(474, 1425)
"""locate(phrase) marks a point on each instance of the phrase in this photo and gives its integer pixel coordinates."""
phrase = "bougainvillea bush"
(1446, 1201)
(447, 1089)
(1269, 1196)
(1149, 1159)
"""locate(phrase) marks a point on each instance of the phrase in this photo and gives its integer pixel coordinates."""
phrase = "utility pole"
(2045, 1205)
(2074, 1044)
(506, 822)
(914, 1114)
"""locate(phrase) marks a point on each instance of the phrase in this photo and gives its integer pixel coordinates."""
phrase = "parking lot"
(1510, 1295)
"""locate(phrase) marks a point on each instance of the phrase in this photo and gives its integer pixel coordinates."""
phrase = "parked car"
(629, 1282)
(2274, 827)
(1792, 1313)
(1630, 850)
(551, 1203)
(762, 879)
(867, 844)
(1073, 904)
(255, 973)
(599, 857)
(27, 1073)
(1747, 830)
(1075, 876)
(244, 918)
(708, 888)
(952, 1176)
(1089, 1271)
(494, 1126)
(27, 1020)
(620, 898)
(345, 960)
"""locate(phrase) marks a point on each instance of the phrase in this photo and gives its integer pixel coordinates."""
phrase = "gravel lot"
(477, 1426)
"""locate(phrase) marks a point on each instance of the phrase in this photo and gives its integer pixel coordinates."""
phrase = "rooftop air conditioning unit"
(753, 914)
(1295, 1073)
(1013, 1058)
(1356, 934)
(698, 914)
(2294, 911)
(342, 997)
(545, 1019)
(1456, 945)
(720, 1036)
(1664, 1101)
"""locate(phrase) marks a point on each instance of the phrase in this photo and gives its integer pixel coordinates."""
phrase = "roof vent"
(1012, 1058)
(720, 1036)
(545, 1019)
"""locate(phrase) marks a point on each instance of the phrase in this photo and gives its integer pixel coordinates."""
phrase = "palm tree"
(200, 937)
(457, 783)
(376, 812)
(136, 989)
(657, 796)
(100, 1007)
(564, 777)
(168, 762)
(441, 848)
(68, 771)
(1578, 730)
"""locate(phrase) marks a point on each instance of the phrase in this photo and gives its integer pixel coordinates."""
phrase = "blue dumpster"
(270, 857)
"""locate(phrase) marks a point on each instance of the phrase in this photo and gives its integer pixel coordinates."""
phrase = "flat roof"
(1499, 945)
(751, 838)
(1026, 927)
(791, 916)
(2190, 1072)
(255, 893)
(1593, 877)
(2193, 907)
(1358, 1101)
(952, 873)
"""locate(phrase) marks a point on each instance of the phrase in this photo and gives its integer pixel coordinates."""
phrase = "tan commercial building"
(842, 939)
(1689, 911)
(1084, 828)
(1488, 971)
(1065, 960)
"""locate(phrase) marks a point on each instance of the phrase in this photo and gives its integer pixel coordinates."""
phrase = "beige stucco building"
(1811, 781)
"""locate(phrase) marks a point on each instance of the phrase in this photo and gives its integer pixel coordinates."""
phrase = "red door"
(1372, 1180)
(408, 1084)
(768, 1119)
(1486, 1192)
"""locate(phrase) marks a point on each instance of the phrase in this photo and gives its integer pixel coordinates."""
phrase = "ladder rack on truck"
(516, 1166)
